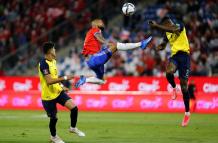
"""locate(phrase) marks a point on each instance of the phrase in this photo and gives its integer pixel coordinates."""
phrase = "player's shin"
(170, 79)
(186, 100)
(128, 46)
(73, 116)
(94, 80)
(52, 126)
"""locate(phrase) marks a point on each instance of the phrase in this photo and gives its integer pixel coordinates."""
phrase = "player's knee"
(53, 117)
(74, 109)
(183, 83)
(113, 47)
(70, 104)
(169, 70)
(184, 87)
(169, 74)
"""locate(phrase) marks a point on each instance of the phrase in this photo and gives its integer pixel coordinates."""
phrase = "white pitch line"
(120, 92)
(6, 116)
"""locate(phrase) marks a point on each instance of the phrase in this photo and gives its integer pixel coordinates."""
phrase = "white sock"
(187, 113)
(128, 46)
(72, 128)
(94, 80)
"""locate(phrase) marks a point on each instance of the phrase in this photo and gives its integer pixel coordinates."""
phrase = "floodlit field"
(31, 127)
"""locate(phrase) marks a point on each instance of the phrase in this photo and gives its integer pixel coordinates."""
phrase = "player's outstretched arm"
(100, 38)
(51, 80)
(163, 45)
(171, 29)
(64, 87)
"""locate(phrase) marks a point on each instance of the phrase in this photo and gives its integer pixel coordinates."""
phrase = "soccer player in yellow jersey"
(53, 92)
(179, 60)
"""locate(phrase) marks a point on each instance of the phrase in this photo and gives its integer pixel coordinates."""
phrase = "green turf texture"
(100, 127)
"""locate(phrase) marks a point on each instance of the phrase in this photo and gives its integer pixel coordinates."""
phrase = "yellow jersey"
(178, 42)
(49, 92)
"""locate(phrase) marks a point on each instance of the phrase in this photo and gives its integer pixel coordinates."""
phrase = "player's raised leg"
(170, 70)
(97, 57)
(130, 46)
(97, 61)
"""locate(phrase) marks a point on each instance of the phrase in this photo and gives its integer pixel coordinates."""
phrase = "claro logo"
(149, 87)
(90, 87)
(113, 86)
(210, 88)
(26, 86)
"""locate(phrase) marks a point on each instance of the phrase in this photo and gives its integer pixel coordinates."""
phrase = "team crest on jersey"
(45, 71)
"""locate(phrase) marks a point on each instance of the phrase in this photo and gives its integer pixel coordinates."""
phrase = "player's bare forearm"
(172, 29)
(51, 80)
(162, 46)
(65, 88)
(100, 38)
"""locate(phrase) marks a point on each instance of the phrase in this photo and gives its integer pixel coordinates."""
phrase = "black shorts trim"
(182, 61)
(50, 105)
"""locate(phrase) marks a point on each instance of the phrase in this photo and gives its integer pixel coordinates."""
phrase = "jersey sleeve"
(96, 31)
(165, 40)
(181, 26)
(44, 68)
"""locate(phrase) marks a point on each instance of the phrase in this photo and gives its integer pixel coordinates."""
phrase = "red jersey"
(91, 44)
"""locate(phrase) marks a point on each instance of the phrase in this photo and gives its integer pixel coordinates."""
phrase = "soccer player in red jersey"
(96, 56)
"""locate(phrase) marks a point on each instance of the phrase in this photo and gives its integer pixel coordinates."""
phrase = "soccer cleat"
(175, 92)
(77, 131)
(185, 120)
(145, 42)
(81, 81)
(56, 139)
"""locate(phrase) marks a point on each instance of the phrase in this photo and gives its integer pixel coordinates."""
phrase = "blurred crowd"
(27, 21)
(23, 21)
(26, 24)
(200, 18)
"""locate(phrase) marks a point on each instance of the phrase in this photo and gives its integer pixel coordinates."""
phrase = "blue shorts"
(50, 105)
(182, 62)
(96, 62)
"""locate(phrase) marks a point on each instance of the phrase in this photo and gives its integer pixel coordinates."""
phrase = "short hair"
(47, 46)
(97, 22)
(165, 18)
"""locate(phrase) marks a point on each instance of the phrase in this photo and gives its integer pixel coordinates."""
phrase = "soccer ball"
(128, 9)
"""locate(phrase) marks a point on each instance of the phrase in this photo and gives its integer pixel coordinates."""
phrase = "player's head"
(167, 21)
(98, 23)
(49, 49)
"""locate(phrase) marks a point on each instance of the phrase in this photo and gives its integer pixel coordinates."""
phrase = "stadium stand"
(200, 19)
(24, 21)
(25, 25)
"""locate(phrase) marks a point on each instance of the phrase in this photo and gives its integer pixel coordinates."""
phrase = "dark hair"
(47, 46)
(165, 18)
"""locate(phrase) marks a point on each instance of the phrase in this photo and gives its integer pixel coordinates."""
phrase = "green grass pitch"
(32, 127)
